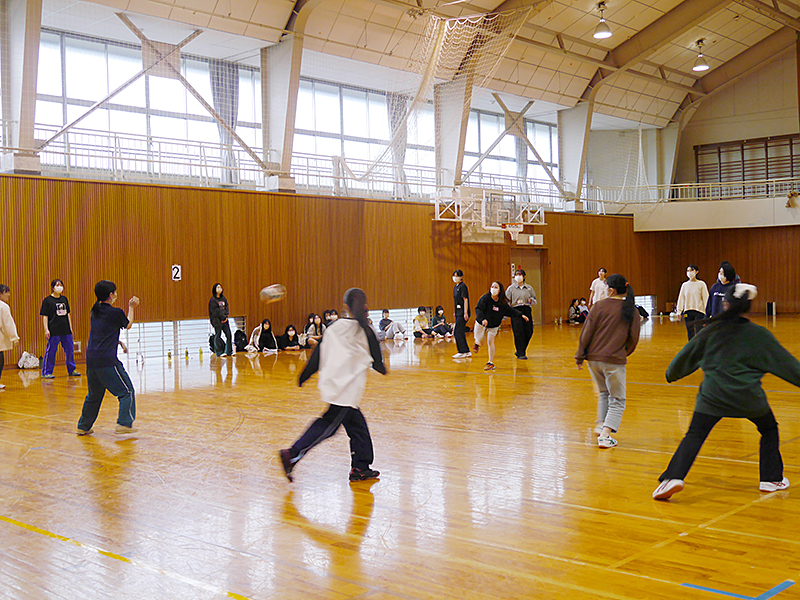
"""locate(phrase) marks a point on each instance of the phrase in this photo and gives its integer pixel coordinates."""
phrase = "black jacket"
(218, 310)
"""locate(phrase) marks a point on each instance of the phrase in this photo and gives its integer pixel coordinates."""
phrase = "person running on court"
(489, 313)
(461, 301)
(104, 371)
(522, 297)
(734, 355)
(57, 323)
(692, 300)
(609, 336)
(342, 358)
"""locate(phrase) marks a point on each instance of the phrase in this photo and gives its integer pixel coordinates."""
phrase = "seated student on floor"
(289, 340)
(314, 330)
(389, 328)
(421, 328)
(574, 314)
(262, 339)
(439, 324)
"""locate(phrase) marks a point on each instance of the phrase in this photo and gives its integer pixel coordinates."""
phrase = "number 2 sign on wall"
(176, 272)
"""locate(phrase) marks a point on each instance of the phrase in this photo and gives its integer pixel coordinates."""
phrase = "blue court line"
(768, 594)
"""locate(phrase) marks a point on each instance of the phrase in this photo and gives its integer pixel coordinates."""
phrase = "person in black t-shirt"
(104, 371)
(461, 300)
(57, 330)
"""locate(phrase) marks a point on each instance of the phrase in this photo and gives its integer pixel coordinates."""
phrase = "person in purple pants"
(57, 330)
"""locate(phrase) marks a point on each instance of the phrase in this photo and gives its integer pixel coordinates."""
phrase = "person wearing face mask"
(521, 297)
(692, 300)
(461, 300)
(289, 340)
(726, 279)
(9, 338)
(489, 313)
(57, 323)
(104, 371)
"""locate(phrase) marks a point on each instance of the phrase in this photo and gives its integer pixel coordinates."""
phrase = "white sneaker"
(606, 442)
(667, 488)
(462, 355)
(774, 486)
(121, 429)
(2, 386)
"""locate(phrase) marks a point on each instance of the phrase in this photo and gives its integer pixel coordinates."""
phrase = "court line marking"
(768, 594)
(692, 529)
(172, 575)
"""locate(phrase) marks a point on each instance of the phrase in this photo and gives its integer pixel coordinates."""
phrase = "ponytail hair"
(102, 290)
(621, 286)
(739, 299)
(356, 301)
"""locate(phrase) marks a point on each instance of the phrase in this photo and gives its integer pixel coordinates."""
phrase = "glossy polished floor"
(491, 487)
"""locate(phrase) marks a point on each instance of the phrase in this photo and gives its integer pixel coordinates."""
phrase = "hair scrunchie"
(745, 288)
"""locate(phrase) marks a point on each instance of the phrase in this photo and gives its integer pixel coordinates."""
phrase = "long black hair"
(102, 290)
(621, 286)
(214, 290)
(502, 296)
(356, 301)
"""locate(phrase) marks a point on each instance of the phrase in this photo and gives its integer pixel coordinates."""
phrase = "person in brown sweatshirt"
(609, 336)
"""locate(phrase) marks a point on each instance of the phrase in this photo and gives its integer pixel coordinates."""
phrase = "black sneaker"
(286, 461)
(363, 474)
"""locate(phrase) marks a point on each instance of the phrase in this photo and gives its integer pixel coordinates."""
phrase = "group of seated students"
(262, 339)
(437, 328)
(577, 312)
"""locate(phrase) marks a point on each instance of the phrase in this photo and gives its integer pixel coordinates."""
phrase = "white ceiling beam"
(747, 61)
(663, 30)
(772, 12)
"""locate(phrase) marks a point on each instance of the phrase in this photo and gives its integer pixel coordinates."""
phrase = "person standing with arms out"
(692, 300)
(734, 355)
(521, 297)
(726, 279)
(342, 358)
(598, 290)
(608, 338)
(218, 311)
(461, 300)
(104, 371)
(9, 338)
(57, 322)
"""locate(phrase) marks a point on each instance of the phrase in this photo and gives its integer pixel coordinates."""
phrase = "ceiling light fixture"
(700, 63)
(602, 31)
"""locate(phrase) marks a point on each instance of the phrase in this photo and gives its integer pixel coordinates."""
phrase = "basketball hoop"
(514, 229)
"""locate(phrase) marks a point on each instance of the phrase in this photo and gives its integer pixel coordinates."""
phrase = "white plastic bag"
(28, 361)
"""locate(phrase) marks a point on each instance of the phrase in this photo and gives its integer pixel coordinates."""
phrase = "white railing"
(735, 190)
(131, 157)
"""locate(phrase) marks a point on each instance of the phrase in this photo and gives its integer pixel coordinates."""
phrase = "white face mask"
(519, 278)
(455, 279)
(58, 289)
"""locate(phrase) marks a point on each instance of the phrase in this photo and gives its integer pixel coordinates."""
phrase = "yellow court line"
(176, 576)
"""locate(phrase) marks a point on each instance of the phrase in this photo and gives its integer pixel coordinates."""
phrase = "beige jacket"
(8, 329)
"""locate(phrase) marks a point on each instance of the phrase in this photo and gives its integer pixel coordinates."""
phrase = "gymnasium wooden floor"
(491, 487)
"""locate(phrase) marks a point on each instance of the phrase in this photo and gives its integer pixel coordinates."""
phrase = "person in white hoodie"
(9, 338)
(343, 357)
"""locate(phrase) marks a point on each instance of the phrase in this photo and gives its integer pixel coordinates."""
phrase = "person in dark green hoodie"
(734, 354)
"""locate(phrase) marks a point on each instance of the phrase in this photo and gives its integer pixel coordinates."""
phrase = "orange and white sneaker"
(667, 488)
(774, 486)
